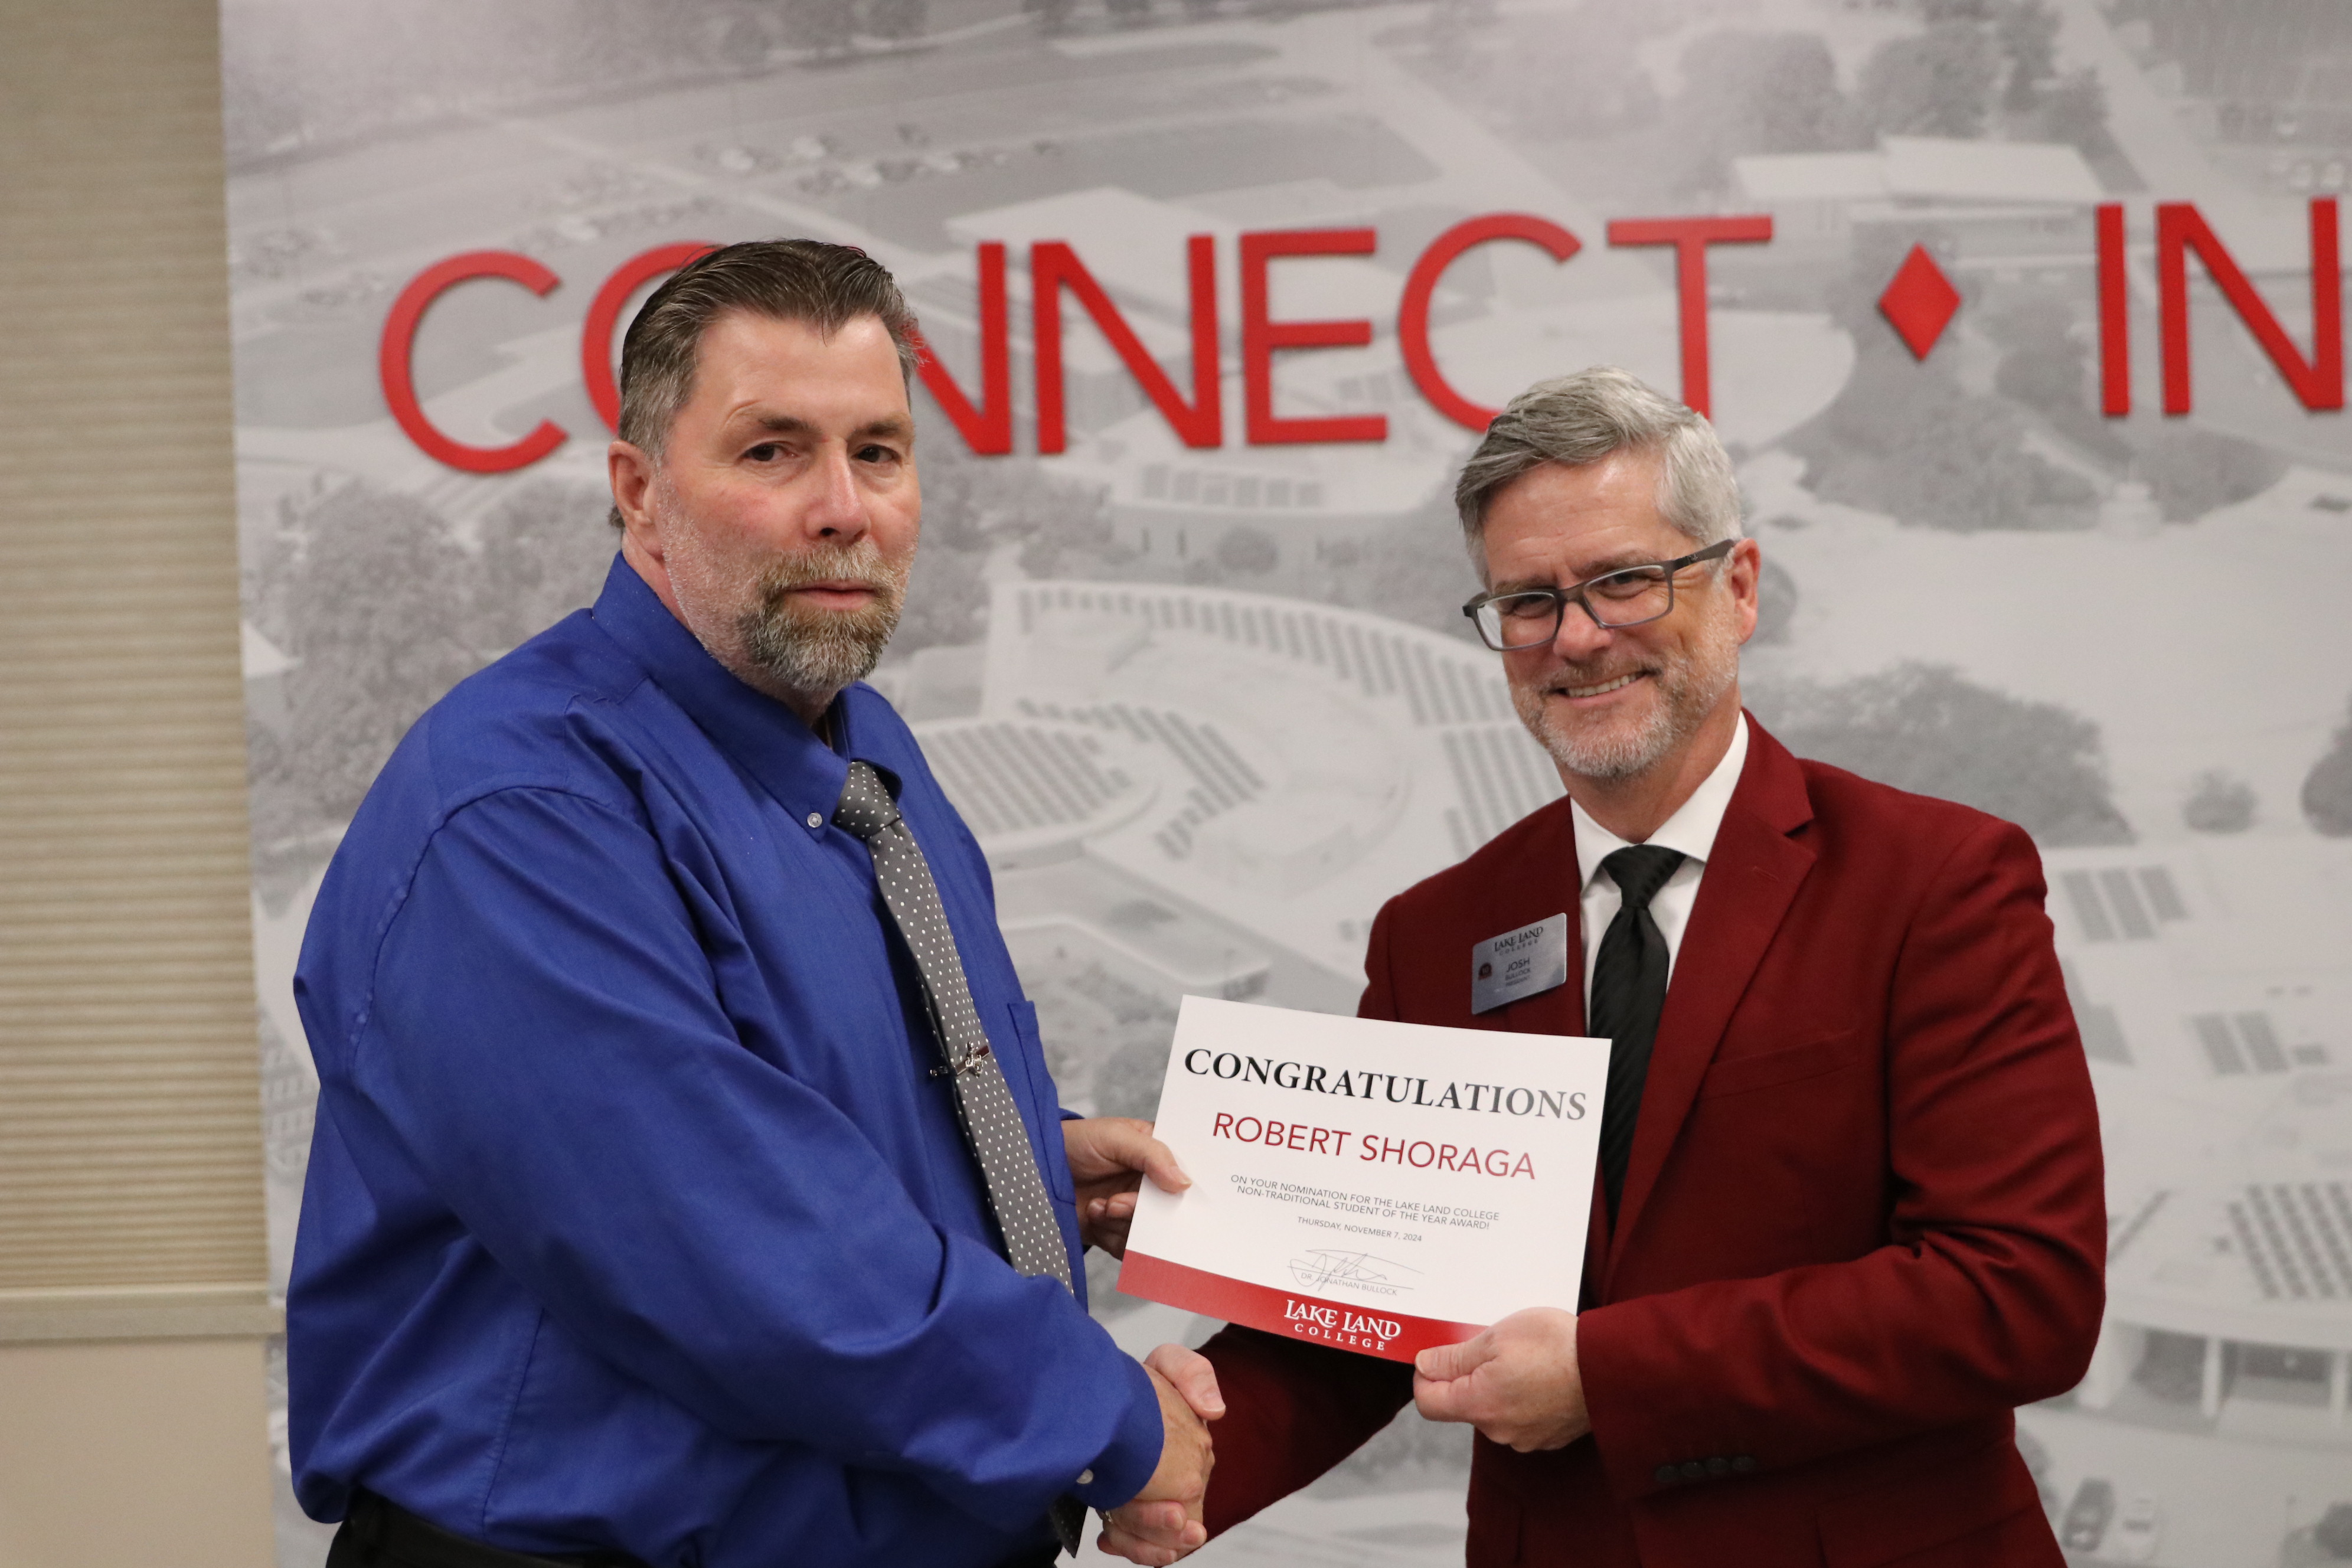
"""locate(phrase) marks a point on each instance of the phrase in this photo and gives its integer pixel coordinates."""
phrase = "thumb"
(1443, 1364)
(1160, 1163)
(1193, 1375)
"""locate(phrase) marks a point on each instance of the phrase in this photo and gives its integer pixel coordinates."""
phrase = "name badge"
(1518, 963)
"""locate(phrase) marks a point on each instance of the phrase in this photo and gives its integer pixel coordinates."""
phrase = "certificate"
(1377, 1186)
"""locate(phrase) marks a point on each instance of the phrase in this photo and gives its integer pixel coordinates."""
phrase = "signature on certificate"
(1324, 1266)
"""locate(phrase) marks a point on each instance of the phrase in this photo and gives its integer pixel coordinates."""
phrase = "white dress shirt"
(1691, 829)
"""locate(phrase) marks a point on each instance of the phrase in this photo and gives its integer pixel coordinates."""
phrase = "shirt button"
(816, 819)
(1086, 1478)
(1692, 1469)
(1668, 1475)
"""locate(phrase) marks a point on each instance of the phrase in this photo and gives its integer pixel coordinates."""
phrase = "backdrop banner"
(2022, 317)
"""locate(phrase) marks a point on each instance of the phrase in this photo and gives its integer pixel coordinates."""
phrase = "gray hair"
(1581, 419)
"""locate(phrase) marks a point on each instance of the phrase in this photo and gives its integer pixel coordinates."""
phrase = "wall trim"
(139, 1312)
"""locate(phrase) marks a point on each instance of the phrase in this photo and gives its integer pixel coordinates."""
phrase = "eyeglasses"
(1529, 617)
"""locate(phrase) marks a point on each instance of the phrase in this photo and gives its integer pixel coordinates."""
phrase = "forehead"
(748, 363)
(1555, 519)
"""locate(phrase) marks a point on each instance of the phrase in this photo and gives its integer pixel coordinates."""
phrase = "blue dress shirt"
(634, 1220)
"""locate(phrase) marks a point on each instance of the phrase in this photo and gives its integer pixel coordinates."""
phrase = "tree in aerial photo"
(2327, 788)
(2218, 802)
(1911, 440)
(1923, 727)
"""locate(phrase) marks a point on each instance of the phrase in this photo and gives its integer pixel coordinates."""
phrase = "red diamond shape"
(1919, 304)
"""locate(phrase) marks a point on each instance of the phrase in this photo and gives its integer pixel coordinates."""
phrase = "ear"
(631, 471)
(1741, 569)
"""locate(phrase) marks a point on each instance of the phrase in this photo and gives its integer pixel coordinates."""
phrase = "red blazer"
(1863, 1219)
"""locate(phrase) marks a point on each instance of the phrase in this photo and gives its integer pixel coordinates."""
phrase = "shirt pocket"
(1791, 1064)
(1045, 1100)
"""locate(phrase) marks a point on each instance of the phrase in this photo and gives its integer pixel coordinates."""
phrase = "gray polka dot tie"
(992, 1122)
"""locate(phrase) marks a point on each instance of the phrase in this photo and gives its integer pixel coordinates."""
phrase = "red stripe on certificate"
(1370, 1330)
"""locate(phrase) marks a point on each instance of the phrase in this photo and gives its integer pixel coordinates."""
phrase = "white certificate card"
(1380, 1188)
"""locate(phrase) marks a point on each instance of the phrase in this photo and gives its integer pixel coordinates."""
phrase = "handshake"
(1518, 1383)
(1162, 1521)
(1108, 1157)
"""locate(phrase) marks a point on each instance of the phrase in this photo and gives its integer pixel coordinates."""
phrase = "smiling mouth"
(1604, 688)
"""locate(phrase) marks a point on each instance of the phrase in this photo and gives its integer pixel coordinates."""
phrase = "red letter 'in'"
(1412, 312)
(1690, 237)
(1054, 266)
(604, 314)
(1260, 336)
(988, 429)
(2181, 228)
(2114, 314)
(392, 362)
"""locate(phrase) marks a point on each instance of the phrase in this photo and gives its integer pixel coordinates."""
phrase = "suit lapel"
(1553, 882)
(1547, 887)
(1752, 876)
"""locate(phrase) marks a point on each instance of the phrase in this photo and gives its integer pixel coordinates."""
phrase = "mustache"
(1577, 676)
(861, 563)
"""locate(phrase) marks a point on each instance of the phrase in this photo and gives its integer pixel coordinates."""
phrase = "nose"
(836, 511)
(1579, 635)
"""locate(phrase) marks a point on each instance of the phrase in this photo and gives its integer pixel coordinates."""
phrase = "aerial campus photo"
(1207, 702)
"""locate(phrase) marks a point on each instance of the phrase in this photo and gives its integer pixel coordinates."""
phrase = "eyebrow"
(793, 425)
(1601, 568)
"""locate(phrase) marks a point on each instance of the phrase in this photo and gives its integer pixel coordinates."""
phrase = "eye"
(765, 452)
(877, 453)
(1626, 584)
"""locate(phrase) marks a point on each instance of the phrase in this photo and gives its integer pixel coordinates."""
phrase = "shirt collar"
(1691, 829)
(764, 737)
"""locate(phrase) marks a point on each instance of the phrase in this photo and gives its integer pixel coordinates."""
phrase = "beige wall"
(132, 1269)
(133, 1452)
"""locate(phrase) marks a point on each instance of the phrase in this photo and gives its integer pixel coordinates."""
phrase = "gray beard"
(822, 652)
(1690, 683)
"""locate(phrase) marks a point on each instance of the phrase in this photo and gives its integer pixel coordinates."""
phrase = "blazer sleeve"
(1293, 1410)
(1989, 1291)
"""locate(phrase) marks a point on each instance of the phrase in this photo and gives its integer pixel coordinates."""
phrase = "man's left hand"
(1109, 1156)
(1157, 1532)
(1518, 1383)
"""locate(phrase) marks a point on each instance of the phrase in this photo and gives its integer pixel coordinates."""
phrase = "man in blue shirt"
(641, 1224)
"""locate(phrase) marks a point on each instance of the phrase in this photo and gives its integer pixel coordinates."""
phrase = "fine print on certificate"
(1377, 1186)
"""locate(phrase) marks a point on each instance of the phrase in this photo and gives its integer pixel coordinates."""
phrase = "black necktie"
(1629, 990)
(984, 1104)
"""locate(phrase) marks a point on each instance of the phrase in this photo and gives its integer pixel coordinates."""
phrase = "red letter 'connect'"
(988, 429)
(1412, 312)
(1690, 237)
(604, 314)
(1054, 266)
(1260, 336)
(394, 358)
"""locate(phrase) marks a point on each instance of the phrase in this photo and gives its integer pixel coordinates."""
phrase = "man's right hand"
(1162, 1522)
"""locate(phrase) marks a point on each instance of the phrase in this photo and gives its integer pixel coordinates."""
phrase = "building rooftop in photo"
(2211, 1005)
(1811, 176)
(1934, 168)
(1924, 169)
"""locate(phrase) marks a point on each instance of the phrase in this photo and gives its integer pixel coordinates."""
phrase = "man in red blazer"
(1851, 1210)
